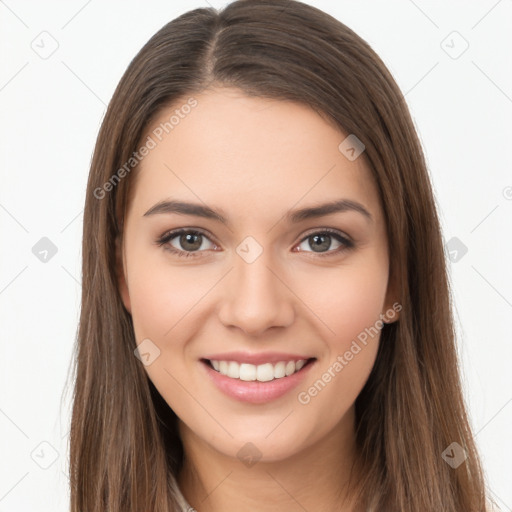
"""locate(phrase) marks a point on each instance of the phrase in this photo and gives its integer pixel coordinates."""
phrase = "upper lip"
(257, 358)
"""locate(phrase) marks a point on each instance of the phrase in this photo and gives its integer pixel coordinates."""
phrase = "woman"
(266, 319)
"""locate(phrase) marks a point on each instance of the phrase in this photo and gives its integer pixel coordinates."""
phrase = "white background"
(51, 110)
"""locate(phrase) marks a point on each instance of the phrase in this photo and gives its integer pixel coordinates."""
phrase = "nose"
(256, 298)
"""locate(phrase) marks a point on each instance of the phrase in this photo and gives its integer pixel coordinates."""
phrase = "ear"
(121, 275)
(392, 303)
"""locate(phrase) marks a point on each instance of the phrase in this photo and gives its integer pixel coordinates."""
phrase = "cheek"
(163, 296)
(164, 302)
(347, 301)
(153, 309)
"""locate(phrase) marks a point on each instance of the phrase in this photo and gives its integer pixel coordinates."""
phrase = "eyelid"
(168, 235)
(333, 231)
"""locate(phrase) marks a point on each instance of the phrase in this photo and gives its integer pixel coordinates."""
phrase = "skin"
(255, 159)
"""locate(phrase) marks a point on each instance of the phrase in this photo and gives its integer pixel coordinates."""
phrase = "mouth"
(261, 381)
(265, 372)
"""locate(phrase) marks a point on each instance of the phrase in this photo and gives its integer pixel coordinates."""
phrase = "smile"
(256, 379)
(262, 372)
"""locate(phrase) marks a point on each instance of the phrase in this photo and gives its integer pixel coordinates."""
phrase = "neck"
(315, 478)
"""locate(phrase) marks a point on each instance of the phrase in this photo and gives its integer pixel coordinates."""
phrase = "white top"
(182, 502)
(185, 507)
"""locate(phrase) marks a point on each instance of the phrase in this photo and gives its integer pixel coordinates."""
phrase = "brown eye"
(185, 242)
(321, 243)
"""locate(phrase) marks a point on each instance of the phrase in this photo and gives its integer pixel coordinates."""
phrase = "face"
(259, 315)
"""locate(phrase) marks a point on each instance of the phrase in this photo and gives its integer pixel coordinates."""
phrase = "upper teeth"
(261, 372)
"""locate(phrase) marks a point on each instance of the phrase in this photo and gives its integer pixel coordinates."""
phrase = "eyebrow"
(293, 216)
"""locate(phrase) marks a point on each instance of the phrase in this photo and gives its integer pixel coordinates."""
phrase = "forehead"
(251, 153)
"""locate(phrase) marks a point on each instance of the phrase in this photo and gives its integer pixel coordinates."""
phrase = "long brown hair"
(124, 445)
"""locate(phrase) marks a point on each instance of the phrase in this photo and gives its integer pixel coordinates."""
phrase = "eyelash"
(166, 237)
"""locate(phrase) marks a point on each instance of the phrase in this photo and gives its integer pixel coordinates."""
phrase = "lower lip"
(256, 392)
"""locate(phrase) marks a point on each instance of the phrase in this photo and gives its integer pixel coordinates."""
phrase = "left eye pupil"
(321, 242)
